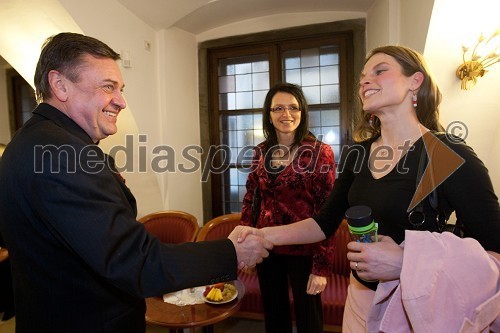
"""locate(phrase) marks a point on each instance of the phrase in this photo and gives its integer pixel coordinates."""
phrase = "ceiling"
(197, 16)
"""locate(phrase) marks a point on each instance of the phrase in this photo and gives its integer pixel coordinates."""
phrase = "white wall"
(398, 22)
(273, 22)
(123, 31)
(33, 21)
(477, 109)
(180, 124)
(437, 28)
(382, 24)
(161, 85)
(414, 23)
(162, 95)
(24, 25)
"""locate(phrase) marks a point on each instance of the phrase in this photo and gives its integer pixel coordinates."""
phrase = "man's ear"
(417, 80)
(58, 85)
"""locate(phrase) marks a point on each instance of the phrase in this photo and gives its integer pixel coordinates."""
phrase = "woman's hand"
(382, 260)
(249, 270)
(243, 231)
(316, 284)
(252, 250)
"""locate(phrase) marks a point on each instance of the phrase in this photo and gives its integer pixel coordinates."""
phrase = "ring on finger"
(356, 266)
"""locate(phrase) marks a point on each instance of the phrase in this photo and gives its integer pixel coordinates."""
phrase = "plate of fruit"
(220, 293)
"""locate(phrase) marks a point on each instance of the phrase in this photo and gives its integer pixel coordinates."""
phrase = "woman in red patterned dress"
(292, 175)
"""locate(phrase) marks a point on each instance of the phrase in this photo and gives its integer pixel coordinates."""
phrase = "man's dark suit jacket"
(80, 260)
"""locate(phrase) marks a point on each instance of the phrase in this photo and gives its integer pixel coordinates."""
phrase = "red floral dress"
(296, 193)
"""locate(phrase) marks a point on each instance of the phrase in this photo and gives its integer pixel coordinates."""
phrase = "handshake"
(251, 246)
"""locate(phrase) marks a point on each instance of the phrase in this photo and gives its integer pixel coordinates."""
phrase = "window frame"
(273, 43)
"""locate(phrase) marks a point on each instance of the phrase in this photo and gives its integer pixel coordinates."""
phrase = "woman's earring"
(370, 121)
(414, 100)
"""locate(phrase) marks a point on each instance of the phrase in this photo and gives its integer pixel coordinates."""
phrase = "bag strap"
(417, 216)
(433, 197)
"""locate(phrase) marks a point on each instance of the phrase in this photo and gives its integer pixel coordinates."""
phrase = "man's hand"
(252, 248)
(382, 260)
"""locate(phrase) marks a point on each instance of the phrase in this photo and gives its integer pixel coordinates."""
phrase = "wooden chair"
(219, 227)
(171, 226)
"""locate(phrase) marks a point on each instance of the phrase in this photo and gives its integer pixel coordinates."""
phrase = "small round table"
(202, 315)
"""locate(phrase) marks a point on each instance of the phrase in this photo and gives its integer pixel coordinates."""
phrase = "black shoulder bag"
(417, 216)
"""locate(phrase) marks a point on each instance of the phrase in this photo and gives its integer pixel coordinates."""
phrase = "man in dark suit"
(80, 261)
(6, 295)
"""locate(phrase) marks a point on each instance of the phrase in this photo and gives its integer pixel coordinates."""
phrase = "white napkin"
(187, 296)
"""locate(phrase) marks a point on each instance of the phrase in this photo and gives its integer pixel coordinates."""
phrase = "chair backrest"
(219, 227)
(171, 226)
(340, 262)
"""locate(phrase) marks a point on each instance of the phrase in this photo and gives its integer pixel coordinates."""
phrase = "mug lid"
(359, 216)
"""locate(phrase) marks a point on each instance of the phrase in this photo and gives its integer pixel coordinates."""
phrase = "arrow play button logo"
(442, 163)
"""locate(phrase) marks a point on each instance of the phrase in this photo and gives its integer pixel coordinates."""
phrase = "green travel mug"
(361, 224)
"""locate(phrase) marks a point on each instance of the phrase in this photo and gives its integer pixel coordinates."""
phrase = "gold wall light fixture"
(475, 66)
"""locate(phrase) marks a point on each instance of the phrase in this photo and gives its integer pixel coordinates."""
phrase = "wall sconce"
(476, 66)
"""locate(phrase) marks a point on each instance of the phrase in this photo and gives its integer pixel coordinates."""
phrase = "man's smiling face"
(95, 100)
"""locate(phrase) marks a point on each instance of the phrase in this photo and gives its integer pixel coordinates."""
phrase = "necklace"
(278, 159)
